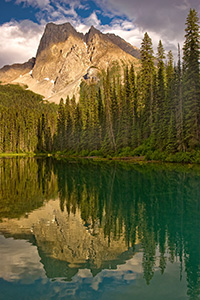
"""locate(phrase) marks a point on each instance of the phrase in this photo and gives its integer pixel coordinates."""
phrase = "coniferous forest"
(153, 113)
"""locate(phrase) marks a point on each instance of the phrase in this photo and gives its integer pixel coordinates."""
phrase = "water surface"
(82, 230)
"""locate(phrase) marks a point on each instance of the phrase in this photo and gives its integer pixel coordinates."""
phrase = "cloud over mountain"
(19, 41)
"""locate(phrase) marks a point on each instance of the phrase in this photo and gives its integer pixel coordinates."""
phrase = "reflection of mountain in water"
(65, 244)
(103, 212)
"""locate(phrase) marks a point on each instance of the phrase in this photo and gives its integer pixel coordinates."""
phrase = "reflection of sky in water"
(19, 260)
(20, 263)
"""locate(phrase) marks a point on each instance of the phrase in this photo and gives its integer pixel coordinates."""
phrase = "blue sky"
(22, 22)
(20, 10)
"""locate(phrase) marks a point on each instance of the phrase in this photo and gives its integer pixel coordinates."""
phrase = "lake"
(88, 230)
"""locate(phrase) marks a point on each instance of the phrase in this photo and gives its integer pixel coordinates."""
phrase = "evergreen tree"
(170, 111)
(161, 108)
(109, 140)
(178, 102)
(133, 106)
(94, 132)
(61, 125)
(68, 124)
(114, 108)
(125, 128)
(101, 114)
(191, 81)
(77, 128)
(146, 85)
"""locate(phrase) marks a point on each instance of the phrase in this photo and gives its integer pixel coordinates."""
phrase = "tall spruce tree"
(191, 81)
(61, 125)
(133, 106)
(161, 98)
(125, 128)
(178, 101)
(109, 140)
(170, 110)
(146, 85)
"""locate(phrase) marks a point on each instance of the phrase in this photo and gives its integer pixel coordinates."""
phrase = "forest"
(154, 113)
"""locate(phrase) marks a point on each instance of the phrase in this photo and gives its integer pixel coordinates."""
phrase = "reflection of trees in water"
(24, 185)
(152, 204)
(159, 206)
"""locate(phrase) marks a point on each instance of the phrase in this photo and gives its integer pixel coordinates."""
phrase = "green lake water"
(85, 230)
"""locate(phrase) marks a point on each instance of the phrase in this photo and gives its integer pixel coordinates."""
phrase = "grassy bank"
(10, 154)
(140, 154)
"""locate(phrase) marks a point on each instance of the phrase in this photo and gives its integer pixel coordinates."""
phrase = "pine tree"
(125, 128)
(170, 80)
(146, 85)
(191, 81)
(61, 125)
(77, 128)
(101, 114)
(94, 131)
(134, 106)
(170, 111)
(114, 108)
(161, 98)
(109, 140)
(178, 102)
(68, 125)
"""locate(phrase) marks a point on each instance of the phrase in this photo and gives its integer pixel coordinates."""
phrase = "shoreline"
(124, 159)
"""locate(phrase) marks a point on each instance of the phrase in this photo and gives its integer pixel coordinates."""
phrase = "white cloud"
(19, 41)
(134, 35)
(167, 18)
(34, 3)
(92, 20)
(126, 30)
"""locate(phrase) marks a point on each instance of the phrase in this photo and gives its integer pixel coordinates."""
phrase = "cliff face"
(128, 48)
(65, 57)
(55, 34)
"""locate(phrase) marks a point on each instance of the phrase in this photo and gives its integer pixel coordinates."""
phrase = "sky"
(22, 22)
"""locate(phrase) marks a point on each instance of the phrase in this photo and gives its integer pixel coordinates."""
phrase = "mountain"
(65, 57)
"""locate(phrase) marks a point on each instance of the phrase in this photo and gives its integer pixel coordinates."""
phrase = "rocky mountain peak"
(54, 34)
(89, 35)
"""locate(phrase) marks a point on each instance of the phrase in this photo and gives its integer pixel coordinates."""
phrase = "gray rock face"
(91, 33)
(54, 34)
(128, 48)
